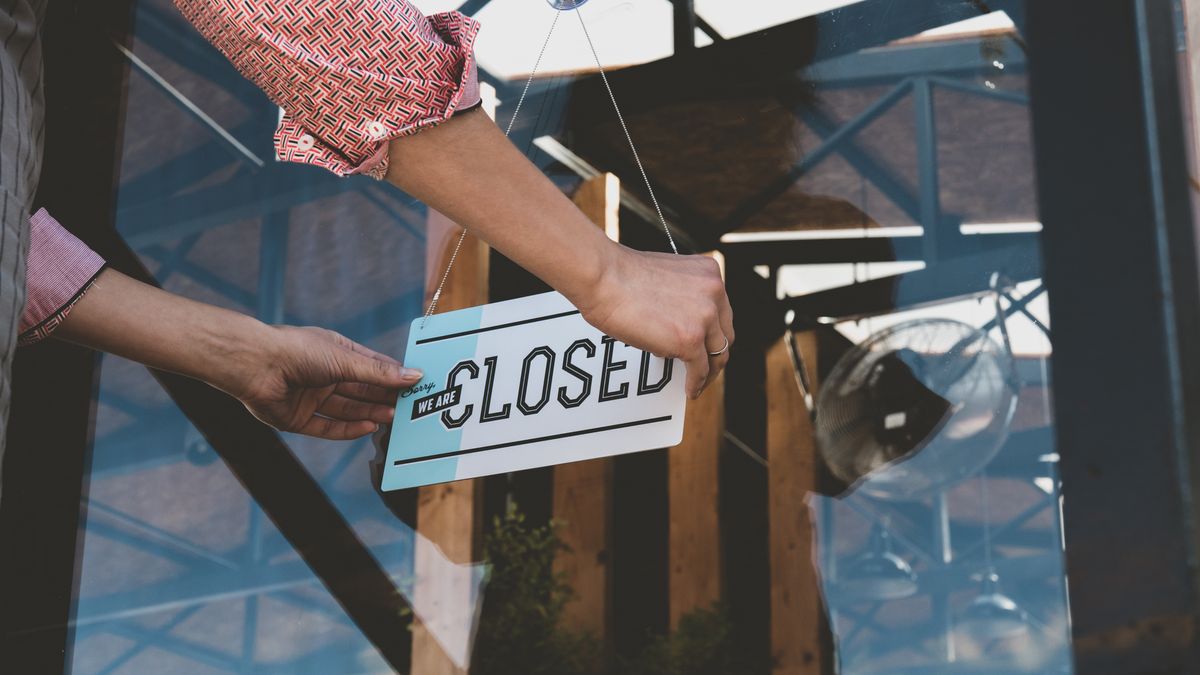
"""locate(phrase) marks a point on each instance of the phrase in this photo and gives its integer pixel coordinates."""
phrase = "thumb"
(380, 370)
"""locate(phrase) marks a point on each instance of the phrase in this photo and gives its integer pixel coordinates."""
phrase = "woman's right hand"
(672, 306)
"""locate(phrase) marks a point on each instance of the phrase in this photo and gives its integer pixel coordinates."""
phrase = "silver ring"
(721, 350)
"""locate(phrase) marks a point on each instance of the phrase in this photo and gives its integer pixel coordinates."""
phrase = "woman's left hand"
(320, 383)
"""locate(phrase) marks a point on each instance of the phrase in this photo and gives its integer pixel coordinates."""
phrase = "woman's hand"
(670, 305)
(307, 380)
(319, 383)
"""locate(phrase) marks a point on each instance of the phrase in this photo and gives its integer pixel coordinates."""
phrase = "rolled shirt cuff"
(59, 269)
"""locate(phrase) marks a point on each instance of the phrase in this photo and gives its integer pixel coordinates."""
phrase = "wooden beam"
(583, 490)
(798, 623)
(449, 516)
(600, 200)
(696, 568)
(694, 546)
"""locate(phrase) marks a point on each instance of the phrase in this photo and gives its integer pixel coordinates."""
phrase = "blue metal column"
(272, 279)
(927, 167)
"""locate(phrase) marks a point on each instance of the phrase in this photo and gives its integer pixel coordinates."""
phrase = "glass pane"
(873, 490)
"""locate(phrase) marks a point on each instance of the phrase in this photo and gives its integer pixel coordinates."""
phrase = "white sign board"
(521, 384)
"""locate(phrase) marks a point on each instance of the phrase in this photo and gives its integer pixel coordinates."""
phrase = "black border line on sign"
(527, 441)
(496, 327)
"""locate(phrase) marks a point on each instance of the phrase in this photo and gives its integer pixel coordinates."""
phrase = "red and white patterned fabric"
(60, 269)
(350, 75)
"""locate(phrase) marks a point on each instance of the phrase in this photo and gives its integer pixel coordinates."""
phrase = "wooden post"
(694, 546)
(449, 515)
(583, 490)
(798, 624)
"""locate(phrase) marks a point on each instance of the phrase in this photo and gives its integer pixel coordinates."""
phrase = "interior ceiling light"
(878, 574)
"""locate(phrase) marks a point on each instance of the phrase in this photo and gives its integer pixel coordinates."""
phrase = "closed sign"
(521, 384)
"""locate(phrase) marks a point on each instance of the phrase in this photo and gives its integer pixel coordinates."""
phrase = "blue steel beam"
(217, 585)
(272, 266)
(160, 541)
(179, 171)
(171, 35)
(958, 278)
(472, 7)
(272, 277)
(1021, 305)
(927, 168)
(327, 659)
(191, 650)
(864, 162)
(1015, 97)
(249, 634)
(780, 185)
(204, 277)
(124, 404)
(390, 314)
(150, 640)
(273, 189)
(116, 534)
(879, 22)
(169, 263)
(996, 531)
(898, 62)
(371, 193)
(344, 462)
(231, 143)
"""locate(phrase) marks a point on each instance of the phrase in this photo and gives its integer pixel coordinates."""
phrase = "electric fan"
(917, 406)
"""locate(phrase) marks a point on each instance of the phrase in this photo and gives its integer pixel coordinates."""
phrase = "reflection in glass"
(984, 588)
(929, 399)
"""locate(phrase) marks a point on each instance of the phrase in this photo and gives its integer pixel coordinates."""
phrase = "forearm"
(125, 317)
(467, 169)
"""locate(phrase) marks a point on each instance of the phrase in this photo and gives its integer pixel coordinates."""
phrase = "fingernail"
(391, 414)
(411, 373)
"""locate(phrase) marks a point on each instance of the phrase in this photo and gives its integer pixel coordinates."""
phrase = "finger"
(382, 437)
(356, 367)
(367, 351)
(697, 368)
(725, 315)
(351, 410)
(336, 430)
(716, 364)
(713, 364)
(369, 393)
(697, 375)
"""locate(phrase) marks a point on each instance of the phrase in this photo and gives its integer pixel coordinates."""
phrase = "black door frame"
(1119, 248)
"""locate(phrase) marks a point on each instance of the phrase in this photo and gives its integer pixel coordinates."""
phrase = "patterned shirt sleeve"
(59, 270)
(350, 75)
